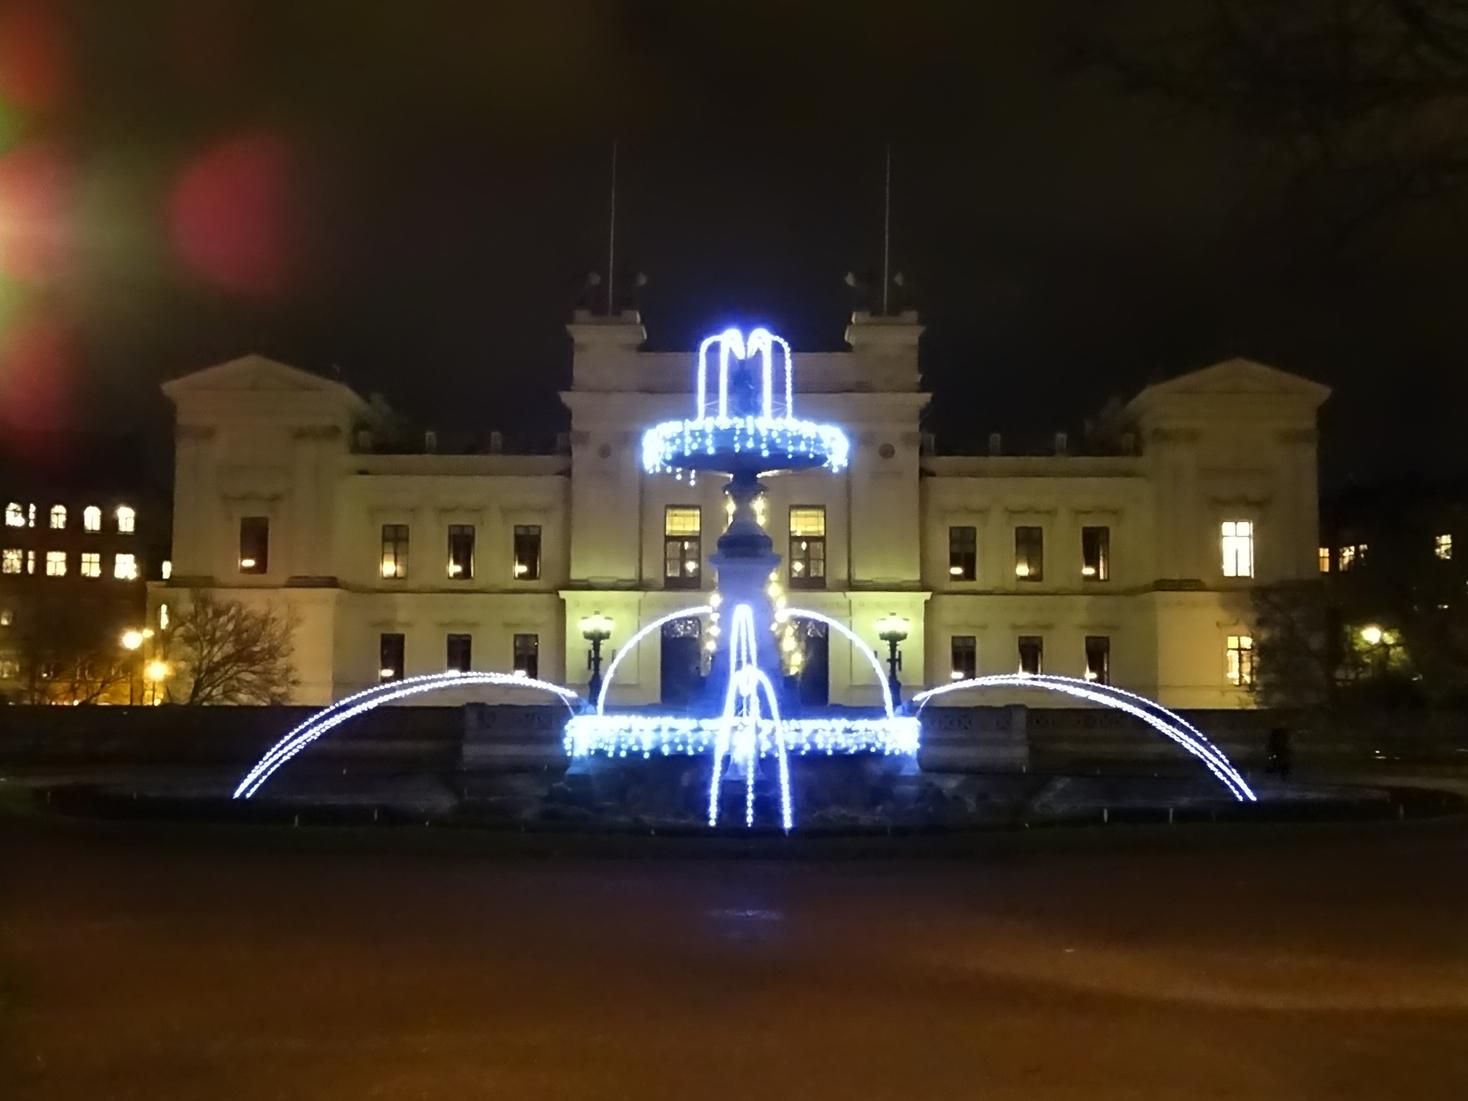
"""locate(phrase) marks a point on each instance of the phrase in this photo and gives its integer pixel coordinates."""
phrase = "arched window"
(126, 519)
(14, 515)
(58, 517)
(92, 518)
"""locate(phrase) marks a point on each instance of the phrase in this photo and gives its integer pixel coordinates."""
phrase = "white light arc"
(855, 639)
(1173, 727)
(329, 718)
(633, 642)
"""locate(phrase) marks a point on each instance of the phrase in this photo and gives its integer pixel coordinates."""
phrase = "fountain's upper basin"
(734, 445)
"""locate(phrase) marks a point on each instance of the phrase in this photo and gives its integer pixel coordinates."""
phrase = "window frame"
(1230, 543)
(1029, 568)
(531, 534)
(91, 518)
(127, 519)
(92, 559)
(1099, 536)
(392, 656)
(460, 532)
(1240, 666)
(56, 558)
(1039, 650)
(131, 561)
(396, 542)
(811, 555)
(961, 647)
(1442, 546)
(1094, 645)
(532, 668)
(452, 641)
(682, 547)
(56, 518)
(963, 553)
(254, 529)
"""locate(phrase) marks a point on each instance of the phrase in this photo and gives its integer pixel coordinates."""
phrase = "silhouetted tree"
(1367, 100)
(226, 652)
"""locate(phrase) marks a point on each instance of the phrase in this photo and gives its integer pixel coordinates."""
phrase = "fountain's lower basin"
(642, 735)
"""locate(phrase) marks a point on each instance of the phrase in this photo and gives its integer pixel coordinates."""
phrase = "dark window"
(1031, 654)
(964, 650)
(682, 547)
(527, 655)
(963, 553)
(394, 551)
(390, 657)
(682, 661)
(459, 653)
(527, 552)
(1096, 554)
(1098, 659)
(461, 552)
(254, 544)
(808, 547)
(1029, 553)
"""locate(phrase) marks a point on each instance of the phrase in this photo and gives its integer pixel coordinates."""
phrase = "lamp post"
(892, 629)
(595, 629)
(132, 641)
(157, 672)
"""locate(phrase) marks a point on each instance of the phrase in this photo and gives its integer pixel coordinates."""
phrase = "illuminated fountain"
(744, 426)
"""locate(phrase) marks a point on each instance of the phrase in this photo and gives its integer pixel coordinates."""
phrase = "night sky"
(412, 195)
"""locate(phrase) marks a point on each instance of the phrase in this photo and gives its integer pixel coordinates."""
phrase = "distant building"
(1133, 566)
(73, 570)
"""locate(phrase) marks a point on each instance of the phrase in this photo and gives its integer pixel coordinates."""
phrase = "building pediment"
(1242, 377)
(257, 374)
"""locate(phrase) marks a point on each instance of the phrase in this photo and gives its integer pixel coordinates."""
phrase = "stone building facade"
(1134, 566)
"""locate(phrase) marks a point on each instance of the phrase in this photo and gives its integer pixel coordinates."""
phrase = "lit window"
(30, 561)
(390, 656)
(163, 617)
(527, 552)
(7, 617)
(682, 547)
(394, 564)
(1029, 553)
(91, 518)
(91, 564)
(14, 515)
(127, 519)
(165, 571)
(9, 667)
(1442, 546)
(1098, 659)
(461, 552)
(457, 656)
(964, 652)
(808, 547)
(55, 563)
(527, 655)
(125, 567)
(58, 517)
(963, 554)
(30, 515)
(1031, 654)
(1325, 560)
(254, 544)
(1351, 554)
(1241, 660)
(11, 559)
(1096, 553)
(1237, 541)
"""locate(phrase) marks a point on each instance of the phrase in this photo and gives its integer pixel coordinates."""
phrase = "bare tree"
(67, 653)
(1366, 99)
(225, 652)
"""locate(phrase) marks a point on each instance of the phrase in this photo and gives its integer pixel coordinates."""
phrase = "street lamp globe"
(892, 628)
(132, 639)
(596, 627)
(1371, 635)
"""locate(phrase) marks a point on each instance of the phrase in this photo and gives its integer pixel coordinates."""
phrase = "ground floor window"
(527, 655)
(390, 648)
(1031, 654)
(964, 657)
(1098, 659)
(1241, 660)
(458, 655)
(681, 661)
